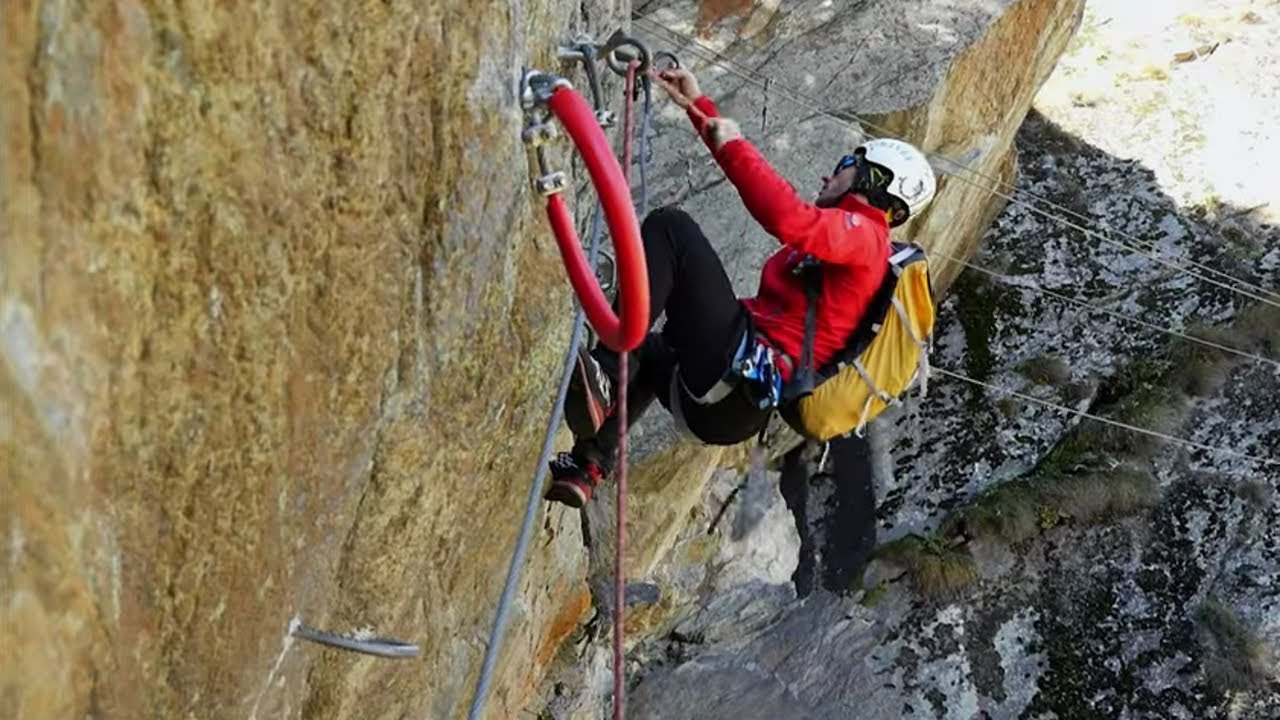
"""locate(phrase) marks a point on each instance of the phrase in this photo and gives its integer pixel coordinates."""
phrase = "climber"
(719, 362)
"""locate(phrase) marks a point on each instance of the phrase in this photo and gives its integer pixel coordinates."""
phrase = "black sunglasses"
(869, 176)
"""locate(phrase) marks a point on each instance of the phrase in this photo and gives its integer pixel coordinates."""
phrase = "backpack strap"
(803, 381)
(922, 364)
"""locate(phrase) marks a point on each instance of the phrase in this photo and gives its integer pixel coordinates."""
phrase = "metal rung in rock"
(382, 647)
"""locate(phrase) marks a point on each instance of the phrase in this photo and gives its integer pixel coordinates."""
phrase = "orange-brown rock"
(279, 324)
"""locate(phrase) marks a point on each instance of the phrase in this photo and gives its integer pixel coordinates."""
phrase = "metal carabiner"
(667, 55)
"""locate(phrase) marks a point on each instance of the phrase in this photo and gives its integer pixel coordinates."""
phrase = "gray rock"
(1171, 611)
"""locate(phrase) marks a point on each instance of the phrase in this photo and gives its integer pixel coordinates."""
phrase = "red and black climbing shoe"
(573, 480)
(590, 399)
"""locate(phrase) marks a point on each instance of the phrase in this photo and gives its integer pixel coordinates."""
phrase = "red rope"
(619, 579)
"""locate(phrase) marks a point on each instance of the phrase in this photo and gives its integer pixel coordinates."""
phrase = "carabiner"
(667, 55)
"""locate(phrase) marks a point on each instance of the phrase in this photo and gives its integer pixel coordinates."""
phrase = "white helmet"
(910, 179)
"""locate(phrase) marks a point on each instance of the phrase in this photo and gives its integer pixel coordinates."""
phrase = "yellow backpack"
(885, 355)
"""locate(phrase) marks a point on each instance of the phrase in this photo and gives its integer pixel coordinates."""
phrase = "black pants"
(835, 512)
(705, 323)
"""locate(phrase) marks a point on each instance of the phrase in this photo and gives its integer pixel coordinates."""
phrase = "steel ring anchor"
(620, 50)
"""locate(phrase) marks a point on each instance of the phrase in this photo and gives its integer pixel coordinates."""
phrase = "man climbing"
(719, 362)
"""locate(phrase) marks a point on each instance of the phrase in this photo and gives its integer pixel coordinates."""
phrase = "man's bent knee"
(668, 218)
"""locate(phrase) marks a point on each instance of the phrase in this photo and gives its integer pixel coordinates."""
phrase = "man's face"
(834, 187)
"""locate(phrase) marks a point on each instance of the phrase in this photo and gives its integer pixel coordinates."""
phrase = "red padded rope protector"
(621, 334)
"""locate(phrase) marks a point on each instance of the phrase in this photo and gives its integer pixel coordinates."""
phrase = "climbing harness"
(542, 96)
(369, 645)
(756, 369)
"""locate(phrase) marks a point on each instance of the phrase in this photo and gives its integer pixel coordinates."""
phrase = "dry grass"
(1257, 328)
(1198, 370)
(1008, 406)
(1075, 392)
(1153, 72)
(1194, 367)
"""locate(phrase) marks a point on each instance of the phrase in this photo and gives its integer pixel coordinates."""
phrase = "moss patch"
(872, 597)
(979, 301)
(934, 569)
(1045, 370)
(1017, 511)
(1234, 658)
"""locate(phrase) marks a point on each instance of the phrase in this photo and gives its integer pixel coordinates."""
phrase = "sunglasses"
(868, 175)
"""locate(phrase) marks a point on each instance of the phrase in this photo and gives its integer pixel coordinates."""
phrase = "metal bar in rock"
(379, 646)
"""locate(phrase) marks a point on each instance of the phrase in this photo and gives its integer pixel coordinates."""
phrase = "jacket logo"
(851, 221)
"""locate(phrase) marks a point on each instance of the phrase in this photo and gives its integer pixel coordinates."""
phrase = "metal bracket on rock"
(584, 50)
(536, 89)
(619, 51)
(382, 647)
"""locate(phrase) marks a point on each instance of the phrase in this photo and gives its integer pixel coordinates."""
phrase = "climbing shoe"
(573, 480)
(590, 399)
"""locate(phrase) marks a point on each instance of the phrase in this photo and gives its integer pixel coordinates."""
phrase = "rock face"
(277, 339)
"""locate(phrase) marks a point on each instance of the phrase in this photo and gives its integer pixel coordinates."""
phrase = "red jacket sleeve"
(703, 108)
(832, 235)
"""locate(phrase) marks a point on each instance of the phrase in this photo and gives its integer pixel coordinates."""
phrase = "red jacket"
(851, 240)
